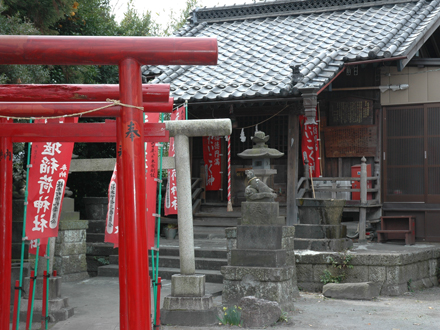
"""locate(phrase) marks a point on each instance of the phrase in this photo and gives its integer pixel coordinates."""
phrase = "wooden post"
(362, 209)
(292, 168)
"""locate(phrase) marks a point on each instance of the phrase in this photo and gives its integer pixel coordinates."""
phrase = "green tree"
(43, 13)
(16, 74)
(178, 19)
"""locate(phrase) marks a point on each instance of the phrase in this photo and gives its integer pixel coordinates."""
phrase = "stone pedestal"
(188, 305)
(261, 259)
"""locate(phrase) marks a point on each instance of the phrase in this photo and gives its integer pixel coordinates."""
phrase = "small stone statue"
(257, 190)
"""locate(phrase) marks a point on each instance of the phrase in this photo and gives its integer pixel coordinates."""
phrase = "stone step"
(212, 276)
(96, 226)
(95, 237)
(100, 249)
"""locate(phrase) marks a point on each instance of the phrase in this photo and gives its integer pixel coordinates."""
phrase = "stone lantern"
(261, 155)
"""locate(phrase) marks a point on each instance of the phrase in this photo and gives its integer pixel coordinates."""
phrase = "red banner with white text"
(151, 161)
(212, 159)
(50, 163)
(171, 190)
(310, 145)
(112, 221)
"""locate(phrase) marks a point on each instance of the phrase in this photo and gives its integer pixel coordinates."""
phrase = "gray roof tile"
(259, 43)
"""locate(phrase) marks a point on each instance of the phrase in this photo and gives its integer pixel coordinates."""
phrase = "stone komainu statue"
(257, 190)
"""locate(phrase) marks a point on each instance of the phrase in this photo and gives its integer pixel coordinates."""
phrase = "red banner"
(310, 145)
(112, 221)
(151, 167)
(33, 244)
(212, 159)
(171, 191)
(50, 163)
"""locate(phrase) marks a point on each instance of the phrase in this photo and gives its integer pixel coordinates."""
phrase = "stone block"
(356, 274)
(394, 289)
(187, 285)
(96, 226)
(71, 236)
(67, 249)
(259, 237)
(376, 273)
(423, 269)
(70, 216)
(70, 264)
(75, 277)
(101, 249)
(355, 291)
(259, 213)
(288, 231)
(73, 224)
(261, 274)
(290, 258)
(281, 292)
(288, 243)
(258, 258)
(196, 318)
(188, 303)
(304, 272)
(433, 267)
(231, 232)
(318, 271)
(259, 313)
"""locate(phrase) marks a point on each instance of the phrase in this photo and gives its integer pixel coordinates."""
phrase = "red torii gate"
(129, 53)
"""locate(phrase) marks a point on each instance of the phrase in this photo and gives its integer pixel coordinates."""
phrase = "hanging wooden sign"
(350, 141)
(351, 111)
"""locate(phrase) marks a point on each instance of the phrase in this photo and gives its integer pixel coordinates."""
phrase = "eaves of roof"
(276, 56)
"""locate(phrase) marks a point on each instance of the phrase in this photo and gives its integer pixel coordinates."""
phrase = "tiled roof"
(261, 44)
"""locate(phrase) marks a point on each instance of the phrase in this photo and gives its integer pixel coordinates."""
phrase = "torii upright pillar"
(128, 53)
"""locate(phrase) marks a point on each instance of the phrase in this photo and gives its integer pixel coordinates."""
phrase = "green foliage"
(284, 317)
(135, 24)
(102, 260)
(339, 265)
(15, 74)
(43, 13)
(231, 316)
(408, 285)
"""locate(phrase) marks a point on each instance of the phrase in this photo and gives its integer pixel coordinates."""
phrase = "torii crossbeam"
(129, 53)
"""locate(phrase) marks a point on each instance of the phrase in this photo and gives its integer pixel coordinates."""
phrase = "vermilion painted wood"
(132, 226)
(81, 132)
(46, 109)
(123, 316)
(76, 50)
(75, 93)
(5, 231)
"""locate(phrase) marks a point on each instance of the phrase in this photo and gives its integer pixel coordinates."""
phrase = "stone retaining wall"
(396, 272)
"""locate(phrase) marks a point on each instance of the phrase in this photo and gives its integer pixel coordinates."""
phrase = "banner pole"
(23, 232)
(47, 283)
(156, 270)
(35, 284)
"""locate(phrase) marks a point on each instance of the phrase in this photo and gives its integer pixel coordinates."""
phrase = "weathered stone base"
(395, 268)
(274, 284)
(260, 213)
(188, 305)
(337, 245)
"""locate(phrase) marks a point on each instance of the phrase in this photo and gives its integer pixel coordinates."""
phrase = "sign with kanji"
(212, 159)
(310, 145)
(112, 221)
(49, 168)
(151, 159)
(171, 190)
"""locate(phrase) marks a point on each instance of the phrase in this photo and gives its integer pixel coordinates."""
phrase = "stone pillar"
(184, 205)
(362, 209)
(310, 101)
(188, 305)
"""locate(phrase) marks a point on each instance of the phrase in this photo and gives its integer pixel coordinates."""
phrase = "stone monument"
(263, 262)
